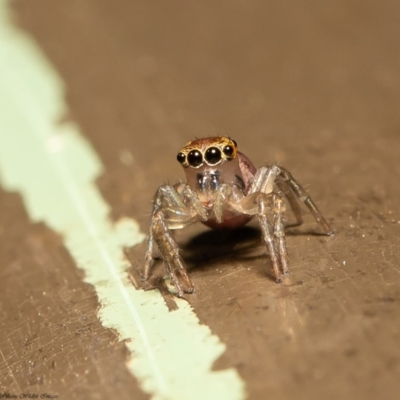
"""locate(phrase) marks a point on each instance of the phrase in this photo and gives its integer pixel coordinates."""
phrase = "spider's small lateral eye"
(181, 158)
(195, 158)
(228, 151)
(213, 155)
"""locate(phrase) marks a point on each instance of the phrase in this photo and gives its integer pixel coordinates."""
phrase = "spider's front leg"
(270, 203)
(175, 207)
(274, 233)
(269, 209)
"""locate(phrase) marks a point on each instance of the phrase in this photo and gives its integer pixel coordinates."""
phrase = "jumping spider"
(224, 190)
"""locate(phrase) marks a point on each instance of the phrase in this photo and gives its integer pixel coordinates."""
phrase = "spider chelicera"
(224, 190)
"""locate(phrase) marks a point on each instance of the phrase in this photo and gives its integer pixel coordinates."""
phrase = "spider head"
(207, 152)
(209, 162)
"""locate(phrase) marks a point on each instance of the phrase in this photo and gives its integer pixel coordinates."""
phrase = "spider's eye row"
(181, 158)
(213, 155)
(228, 151)
(195, 158)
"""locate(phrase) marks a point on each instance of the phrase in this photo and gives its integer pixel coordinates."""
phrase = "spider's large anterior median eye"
(228, 151)
(195, 158)
(213, 155)
(181, 158)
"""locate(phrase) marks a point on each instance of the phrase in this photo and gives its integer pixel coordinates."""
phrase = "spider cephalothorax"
(223, 189)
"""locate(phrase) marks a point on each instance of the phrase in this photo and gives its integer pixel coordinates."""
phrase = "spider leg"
(268, 235)
(279, 231)
(274, 234)
(169, 251)
(148, 257)
(173, 208)
(303, 196)
(263, 201)
(292, 199)
(222, 194)
(268, 207)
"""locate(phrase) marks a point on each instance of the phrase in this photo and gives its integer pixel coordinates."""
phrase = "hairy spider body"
(223, 189)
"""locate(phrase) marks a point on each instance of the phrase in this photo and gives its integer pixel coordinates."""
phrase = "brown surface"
(313, 86)
(51, 340)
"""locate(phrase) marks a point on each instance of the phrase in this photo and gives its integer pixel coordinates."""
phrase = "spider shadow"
(204, 250)
(223, 246)
(211, 248)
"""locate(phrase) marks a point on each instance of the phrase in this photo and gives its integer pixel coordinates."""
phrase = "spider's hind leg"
(285, 188)
(303, 196)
